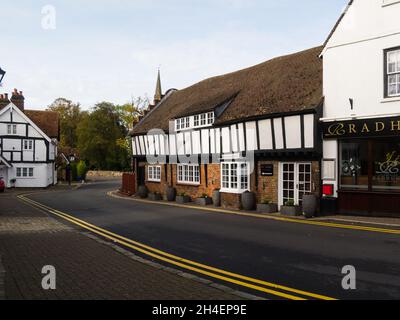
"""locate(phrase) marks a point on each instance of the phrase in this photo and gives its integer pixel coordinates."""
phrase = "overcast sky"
(111, 49)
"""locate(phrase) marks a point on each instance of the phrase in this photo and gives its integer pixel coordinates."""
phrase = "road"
(304, 257)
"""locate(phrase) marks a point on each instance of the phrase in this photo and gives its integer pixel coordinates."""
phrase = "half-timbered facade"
(28, 144)
(252, 130)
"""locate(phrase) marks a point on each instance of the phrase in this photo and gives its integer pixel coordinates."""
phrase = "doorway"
(141, 174)
(295, 182)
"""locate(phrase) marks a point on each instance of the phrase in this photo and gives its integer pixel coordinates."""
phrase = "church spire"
(158, 94)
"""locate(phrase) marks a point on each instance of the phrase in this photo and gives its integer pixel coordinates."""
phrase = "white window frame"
(227, 177)
(12, 129)
(188, 174)
(25, 172)
(201, 120)
(393, 74)
(154, 173)
(196, 120)
(28, 145)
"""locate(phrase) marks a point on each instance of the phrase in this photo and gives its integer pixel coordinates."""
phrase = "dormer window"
(196, 121)
(210, 118)
(203, 119)
(392, 73)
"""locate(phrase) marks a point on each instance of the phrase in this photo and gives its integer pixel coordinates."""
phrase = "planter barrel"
(310, 205)
(155, 196)
(170, 193)
(267, 208)
(203, 201)
(142, 192)
(291, 211)
(216, 198)
(248, 200)
(182, 199)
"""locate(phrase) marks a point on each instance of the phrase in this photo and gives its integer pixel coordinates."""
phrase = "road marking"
(264, 216)
(181, 262)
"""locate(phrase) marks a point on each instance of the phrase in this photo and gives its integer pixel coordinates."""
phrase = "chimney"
(4, 102)
(18, 99)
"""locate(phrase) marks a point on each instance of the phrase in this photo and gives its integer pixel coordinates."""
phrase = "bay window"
(154, 173)
(189, 174)
(235, 177)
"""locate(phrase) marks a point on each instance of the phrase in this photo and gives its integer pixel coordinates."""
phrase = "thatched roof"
(282, 85)
(47, 121)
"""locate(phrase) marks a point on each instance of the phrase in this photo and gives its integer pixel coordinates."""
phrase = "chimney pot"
(18, 99)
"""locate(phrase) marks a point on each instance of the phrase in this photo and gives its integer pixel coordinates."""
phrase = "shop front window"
(354, 165)
(386, 159)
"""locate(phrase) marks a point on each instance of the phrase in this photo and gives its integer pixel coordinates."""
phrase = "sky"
(90, 51)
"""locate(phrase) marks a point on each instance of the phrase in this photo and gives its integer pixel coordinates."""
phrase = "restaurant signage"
(267, 170)
(378, 127)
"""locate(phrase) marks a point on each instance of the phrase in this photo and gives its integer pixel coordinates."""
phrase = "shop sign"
(379, 127)
(267, 170)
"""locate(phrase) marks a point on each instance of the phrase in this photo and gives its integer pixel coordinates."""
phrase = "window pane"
(386, 159)
(31, 172)
(24, 172)
(354, 165)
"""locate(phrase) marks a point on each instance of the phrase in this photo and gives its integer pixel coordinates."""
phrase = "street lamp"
(2, 74)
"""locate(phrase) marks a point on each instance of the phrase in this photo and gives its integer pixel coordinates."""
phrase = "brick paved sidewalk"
(86, 268)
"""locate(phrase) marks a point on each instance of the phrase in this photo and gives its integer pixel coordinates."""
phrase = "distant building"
(28, 144)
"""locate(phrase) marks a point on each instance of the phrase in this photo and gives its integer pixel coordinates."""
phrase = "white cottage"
(28, 144)
(361, 124)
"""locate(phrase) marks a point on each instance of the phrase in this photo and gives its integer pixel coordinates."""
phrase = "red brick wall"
(213, 181)
(266, 189)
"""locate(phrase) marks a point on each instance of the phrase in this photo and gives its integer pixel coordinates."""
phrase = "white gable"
(366, 19)
(19, 116)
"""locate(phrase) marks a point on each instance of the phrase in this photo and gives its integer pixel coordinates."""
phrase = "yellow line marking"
(263, 216)
(157, 254)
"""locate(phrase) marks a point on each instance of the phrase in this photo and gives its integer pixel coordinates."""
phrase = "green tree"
(70, 115)
(97, 133)
(129, 114)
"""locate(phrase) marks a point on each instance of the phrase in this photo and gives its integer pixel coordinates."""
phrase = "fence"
(128, 183)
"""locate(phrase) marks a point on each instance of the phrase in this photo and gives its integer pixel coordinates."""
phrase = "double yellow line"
(237, 279)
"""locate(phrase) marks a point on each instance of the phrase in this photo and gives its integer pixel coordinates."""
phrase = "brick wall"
(267, 188)
(213, 181)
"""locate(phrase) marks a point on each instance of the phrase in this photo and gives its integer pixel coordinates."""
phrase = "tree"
(97, 133)
(70, 115)
(129, 114)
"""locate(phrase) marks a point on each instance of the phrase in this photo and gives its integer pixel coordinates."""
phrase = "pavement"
(294, 256)
(87, 268)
